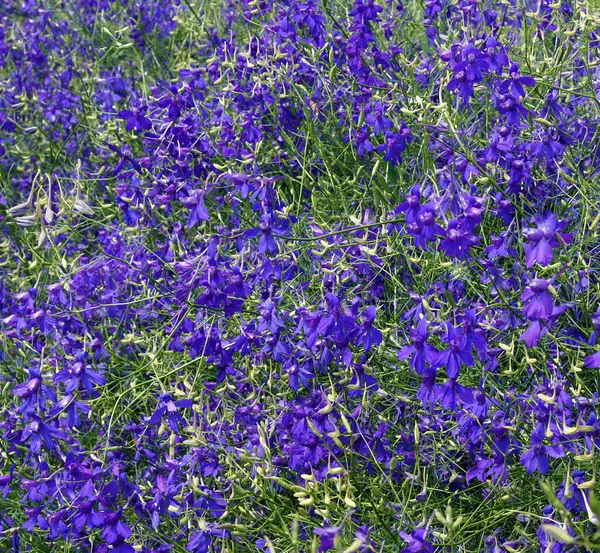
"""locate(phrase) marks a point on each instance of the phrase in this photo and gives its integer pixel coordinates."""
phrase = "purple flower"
(34, 392)
(200, 542)
(195, 203)
(496, 54)
(136, 118)
(416, 542)
(552, 105)
(375, 116)
(329, 537)
(464, 86)
(542, 240)
(537, 299)
(115, 529)
(551, 145)
(515, 83)
(592, 361)
(457, 243)
(450, 391)
(80, 376)
(510, 106)
(363, 144)
(420, 350)
(395, 144)
(458, 352)
(266, 231)
(167, 406)
(73, 407)
(40, 433)
(368, 335)
(412, 205)
(473, 62)
(536, 458)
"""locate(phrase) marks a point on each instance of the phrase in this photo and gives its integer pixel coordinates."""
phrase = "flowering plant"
(304, 276)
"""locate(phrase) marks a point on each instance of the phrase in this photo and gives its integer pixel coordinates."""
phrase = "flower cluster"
(305, 276)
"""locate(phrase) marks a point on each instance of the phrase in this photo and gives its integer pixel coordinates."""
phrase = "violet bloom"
(539, 307)
(336, 322)
(551, 145)
(329, 537)
(496, 54)
(416, 542)
(34, 518)
(362, 535)
(266, 232)
(457, 243)
(121, 546)
(195, 203)
(368, 335)
(458, 352)
(136, 118)
(73, 407)
(450, 391)
(420, 350)
(34, 392)
(592, 361)
(124, 157)
(167, 406)
(363, 144)
(473, 62)
(542, 240)
(5, 481)
(163, 501)
(552, 105)
(412, 205)
(510, 106)
(514, 84)
(39, 433)
(57, 527)
(200, 542)
(428, 389)
(430, 229)
(171, 100)
(86, 514)
(395, 144)
(115, 529)
(250, 133)
(375, 116)
(500, 142)
(46, 322)
(537, 299)
(536, 458)
(464, 86)
(80, 376)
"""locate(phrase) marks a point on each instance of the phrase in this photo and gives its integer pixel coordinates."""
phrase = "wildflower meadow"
(299, 276)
